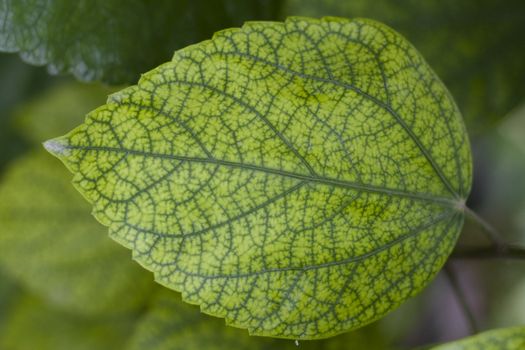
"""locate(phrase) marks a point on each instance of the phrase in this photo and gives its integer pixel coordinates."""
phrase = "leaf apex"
(57, 147)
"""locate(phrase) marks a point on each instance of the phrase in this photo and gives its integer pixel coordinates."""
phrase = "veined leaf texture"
(299, 179)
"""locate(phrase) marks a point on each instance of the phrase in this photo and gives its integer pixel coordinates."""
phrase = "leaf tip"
(57, 147)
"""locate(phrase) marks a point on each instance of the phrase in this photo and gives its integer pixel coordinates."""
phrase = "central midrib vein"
(448, 202)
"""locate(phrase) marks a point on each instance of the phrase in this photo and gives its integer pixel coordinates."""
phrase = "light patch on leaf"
(56, 147)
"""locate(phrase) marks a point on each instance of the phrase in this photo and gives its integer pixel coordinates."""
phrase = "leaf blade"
(237, 181)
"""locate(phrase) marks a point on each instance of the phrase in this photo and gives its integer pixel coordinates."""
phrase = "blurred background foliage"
(65, 285)
(97, 39)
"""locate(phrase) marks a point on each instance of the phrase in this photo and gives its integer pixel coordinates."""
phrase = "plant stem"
(499, 249)
(489, 230)
(508, 252)
(461, 298)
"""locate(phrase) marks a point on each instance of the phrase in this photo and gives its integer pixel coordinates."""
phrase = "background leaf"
(9, 292)
(501, 165)
(32, 324)
(171, 324)
(48, 240)
(19, 82)
(115, 40)
(299, 179)
(499, 339)
(57, 109)
(473, 45)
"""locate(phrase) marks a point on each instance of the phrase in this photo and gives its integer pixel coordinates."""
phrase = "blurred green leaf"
(19, 82)
(52, 245)
(513, 128)
(511, 307)
(8, 294)
(33, 325)
(172, 324)
(115, 40)
(505, 192)
(48, 240)
(475, 46)
(502, 167)
(498, 339)
(58, 109)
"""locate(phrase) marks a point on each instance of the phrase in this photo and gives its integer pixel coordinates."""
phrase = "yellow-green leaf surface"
(299, 179)
(499, 339)
(32, 324)
(172, 325)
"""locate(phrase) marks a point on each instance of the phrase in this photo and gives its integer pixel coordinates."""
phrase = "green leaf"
(512, 157)
(503, 166)
(300, 179)
(510, 305)
(115, 40)
(48, 240)
(19, 81)
(9, 292)
(172, 325)
(58, 109)
(52, 245)
(499, 339)
(472, 44)
(32, 324)
(514, 127)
